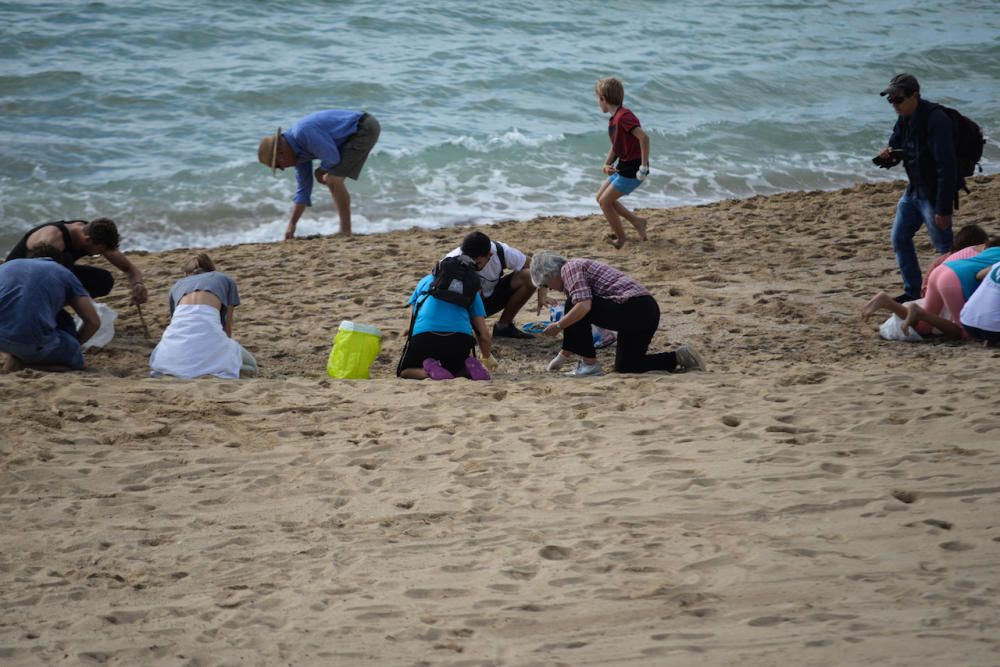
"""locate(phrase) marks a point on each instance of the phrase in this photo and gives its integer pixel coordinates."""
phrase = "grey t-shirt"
(215, 282)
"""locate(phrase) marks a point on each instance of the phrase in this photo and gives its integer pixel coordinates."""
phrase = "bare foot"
(913, 313)
(11, 364)
(640, 228)
(877, 303)
(615, 241)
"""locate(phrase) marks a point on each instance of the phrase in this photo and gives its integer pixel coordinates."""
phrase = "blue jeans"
(60, 349)
(912, 212)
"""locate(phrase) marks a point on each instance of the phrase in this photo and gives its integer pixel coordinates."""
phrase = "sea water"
(150, 112)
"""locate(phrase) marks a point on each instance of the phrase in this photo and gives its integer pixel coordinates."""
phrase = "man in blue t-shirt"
(34, 329)
(340, 140)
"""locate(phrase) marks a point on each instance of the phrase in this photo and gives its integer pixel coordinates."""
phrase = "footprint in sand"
(552, 552)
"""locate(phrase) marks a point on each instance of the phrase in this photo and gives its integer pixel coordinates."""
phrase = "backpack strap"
(501, 255)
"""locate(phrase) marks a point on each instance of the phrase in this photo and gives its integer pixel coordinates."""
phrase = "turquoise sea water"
(150, 112)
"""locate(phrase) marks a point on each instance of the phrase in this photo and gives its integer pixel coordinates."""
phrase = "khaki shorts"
(354, 153)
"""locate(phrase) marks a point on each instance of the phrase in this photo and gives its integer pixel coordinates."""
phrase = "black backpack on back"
(969, 141)
(455, 281)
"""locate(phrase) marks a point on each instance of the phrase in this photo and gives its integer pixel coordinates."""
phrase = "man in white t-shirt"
(507, 292)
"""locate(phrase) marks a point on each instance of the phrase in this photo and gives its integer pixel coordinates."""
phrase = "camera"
(896, 155)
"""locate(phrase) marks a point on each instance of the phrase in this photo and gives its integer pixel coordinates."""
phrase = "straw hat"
(267, 152)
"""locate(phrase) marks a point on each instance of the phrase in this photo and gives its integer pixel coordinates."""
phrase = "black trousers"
(95, 280)
(635, 321)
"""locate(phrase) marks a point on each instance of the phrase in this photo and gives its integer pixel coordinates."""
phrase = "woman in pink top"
(942, 290)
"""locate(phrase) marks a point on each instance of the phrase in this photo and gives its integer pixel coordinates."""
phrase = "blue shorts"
(622, 184)
(61, 349)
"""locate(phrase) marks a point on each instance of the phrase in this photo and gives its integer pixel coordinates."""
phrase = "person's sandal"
(476, 370)
(435, 370)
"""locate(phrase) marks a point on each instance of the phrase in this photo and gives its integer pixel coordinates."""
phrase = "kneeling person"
(199, 339)
(441, 331)
(501, 292)
(34, 329)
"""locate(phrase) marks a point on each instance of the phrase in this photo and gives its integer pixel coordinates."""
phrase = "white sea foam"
(158, 126)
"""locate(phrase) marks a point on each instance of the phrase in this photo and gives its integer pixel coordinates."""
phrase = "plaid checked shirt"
(585, 279)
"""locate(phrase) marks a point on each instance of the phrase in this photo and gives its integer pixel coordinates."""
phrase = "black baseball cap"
(902, 84)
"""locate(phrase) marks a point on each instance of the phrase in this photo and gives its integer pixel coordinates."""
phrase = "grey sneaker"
(584, 370)
(557, 363)
(688, 360)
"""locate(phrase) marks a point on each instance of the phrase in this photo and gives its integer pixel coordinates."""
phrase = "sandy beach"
(818, 497)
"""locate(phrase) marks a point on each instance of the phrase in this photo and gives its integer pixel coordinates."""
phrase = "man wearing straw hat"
(339, 139)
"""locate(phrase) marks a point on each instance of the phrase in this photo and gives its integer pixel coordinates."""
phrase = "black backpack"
(969, 141)
(455, 281)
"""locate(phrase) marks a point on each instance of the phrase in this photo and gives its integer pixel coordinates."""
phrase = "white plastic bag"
(105, 332)
(892, 329)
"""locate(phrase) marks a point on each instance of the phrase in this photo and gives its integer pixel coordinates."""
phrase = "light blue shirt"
(442, 316)
(319, 136)
(966, 269)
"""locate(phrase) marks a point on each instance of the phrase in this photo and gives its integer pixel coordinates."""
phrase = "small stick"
(141, 318)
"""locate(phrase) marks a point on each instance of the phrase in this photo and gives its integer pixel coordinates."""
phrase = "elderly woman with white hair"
(600, 294)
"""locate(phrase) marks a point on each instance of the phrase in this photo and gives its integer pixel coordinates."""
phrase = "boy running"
(630, 148)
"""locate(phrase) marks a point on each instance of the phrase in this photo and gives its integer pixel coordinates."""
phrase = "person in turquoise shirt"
(966, 269)
(341, 140)
(441, 341)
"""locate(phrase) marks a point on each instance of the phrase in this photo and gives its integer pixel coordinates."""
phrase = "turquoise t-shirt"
(441, 316)
(966, 269)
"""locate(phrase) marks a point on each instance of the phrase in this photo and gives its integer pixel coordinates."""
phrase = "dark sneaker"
(904, 298)
(508, 331)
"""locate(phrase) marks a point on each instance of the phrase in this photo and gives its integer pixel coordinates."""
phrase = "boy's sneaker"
(584, 370)
(688, 360)
(509, 331)
(557, 363)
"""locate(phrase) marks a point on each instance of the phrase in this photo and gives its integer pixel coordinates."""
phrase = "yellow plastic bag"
(354, 349)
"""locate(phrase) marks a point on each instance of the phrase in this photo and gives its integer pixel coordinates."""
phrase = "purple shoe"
(435, 370)
(476, 370)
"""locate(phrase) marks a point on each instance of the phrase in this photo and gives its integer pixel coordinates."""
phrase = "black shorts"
(497, 301)
(451, 349)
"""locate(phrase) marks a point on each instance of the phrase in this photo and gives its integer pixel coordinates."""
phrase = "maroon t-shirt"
(623, 142)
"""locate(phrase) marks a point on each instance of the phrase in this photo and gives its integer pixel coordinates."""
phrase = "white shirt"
(982, 310)
(490, 275)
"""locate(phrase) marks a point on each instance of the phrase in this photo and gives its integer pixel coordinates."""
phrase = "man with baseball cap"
(339, 139)
(925, 133)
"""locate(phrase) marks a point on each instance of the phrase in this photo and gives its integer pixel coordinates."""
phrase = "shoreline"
(819, 496)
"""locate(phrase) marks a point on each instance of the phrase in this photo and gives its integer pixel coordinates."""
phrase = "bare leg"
(882, 301)
(342, 200)
(11, 364)
(637, 221)
(413, 374)
(917, 314)
(607, 196)
(523, 289)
